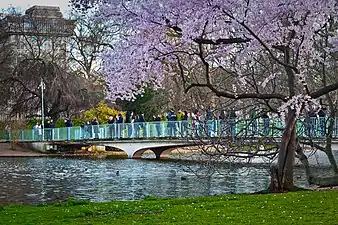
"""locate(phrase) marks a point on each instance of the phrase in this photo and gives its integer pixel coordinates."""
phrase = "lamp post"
(42, 86)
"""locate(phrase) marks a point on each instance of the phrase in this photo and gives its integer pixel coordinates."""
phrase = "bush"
(75, 122)
(102, 113)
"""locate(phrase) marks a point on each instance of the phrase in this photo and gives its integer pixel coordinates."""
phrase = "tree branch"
(238, 96)
(324, 90)
(220, 41)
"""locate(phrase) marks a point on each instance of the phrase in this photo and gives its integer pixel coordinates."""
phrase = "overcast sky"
(24, 4)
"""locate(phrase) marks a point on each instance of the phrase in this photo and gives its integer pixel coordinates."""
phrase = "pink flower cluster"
(156, 35)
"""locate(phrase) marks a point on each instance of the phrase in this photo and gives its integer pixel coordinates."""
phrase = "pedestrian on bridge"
(68, 125)
(312, 123)
(143, 125)
(253, 121)
(88, 130)
(95, 125)
(129, 125)
(111, 126)
(322, 121)
(157, 119)
(266, 122)
(119, 124)
(172, 118)
(37, 131)
(184, 129)
(50, 129)
(7, 133)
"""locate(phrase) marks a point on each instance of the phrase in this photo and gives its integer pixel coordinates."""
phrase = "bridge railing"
(313, 127)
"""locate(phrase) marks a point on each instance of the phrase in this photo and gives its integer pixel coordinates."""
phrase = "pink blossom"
(157, 34)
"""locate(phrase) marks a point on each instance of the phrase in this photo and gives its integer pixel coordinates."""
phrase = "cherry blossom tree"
(188, 37)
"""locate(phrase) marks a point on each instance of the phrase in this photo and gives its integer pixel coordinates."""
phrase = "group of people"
(178, 123)
(316, 122)
(39, 130)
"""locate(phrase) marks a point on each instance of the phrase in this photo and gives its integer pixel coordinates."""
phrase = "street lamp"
(42, 86)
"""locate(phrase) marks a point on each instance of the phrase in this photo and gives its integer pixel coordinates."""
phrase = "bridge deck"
(176, 129)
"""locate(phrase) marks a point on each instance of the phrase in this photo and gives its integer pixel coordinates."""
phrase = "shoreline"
(6, 150)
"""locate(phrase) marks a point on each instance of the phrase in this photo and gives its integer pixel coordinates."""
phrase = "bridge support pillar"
(135, 156)
(158, 155)
(161, 152)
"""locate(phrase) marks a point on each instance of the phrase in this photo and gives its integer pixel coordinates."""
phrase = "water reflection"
(36, 180)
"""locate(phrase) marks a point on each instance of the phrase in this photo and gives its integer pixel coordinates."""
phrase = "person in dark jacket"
(68, 122)
(312, 122)
(68, 125)
(142, 124)
(185, 117)
(8, 133)
(231, 121)
(95, 125)
(129, 118)
(253, 121)
(48, 131)
(322, 121)
(88, 130)
(157, 119)
(137, 125)
(266, 122)
(111, 123)
(119, 125)
(172, 118)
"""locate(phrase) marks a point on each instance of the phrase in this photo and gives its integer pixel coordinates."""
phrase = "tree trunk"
(282, 174)
(328, 148)
(332, 161)
(316, 180)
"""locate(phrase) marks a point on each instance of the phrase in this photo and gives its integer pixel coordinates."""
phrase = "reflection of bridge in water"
(160, 137)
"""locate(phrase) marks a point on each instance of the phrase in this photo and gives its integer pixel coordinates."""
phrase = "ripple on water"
(38, 180)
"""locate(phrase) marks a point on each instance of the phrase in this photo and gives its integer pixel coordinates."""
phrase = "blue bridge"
(160, 137)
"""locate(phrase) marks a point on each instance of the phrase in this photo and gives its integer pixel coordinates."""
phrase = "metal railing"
(311, 127)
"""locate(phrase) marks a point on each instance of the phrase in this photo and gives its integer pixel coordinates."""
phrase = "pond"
(44, 180)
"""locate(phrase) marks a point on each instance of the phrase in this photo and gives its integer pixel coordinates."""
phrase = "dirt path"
(6, 151)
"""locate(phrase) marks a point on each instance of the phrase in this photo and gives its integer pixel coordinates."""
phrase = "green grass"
(304, 207)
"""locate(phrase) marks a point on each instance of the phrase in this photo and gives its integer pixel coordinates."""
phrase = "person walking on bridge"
(111, 125)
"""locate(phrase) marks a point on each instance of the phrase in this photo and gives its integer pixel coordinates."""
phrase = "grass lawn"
(305, 207)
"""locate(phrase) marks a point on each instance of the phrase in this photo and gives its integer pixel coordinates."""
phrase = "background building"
(30, 44)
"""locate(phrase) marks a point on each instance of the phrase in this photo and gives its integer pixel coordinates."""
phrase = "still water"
(39, 180)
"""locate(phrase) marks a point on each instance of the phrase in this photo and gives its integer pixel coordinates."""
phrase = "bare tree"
(39, 40)
(88, 41)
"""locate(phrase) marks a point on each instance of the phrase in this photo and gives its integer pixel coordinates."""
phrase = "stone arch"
(138, 153)
(121, 149)
(158, 151)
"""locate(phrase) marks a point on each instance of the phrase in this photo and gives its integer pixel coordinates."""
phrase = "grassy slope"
(316, 207)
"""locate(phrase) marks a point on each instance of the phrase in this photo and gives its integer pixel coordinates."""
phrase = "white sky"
(24, 4)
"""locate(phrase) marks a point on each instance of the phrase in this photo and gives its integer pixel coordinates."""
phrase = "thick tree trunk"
(282, 174)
